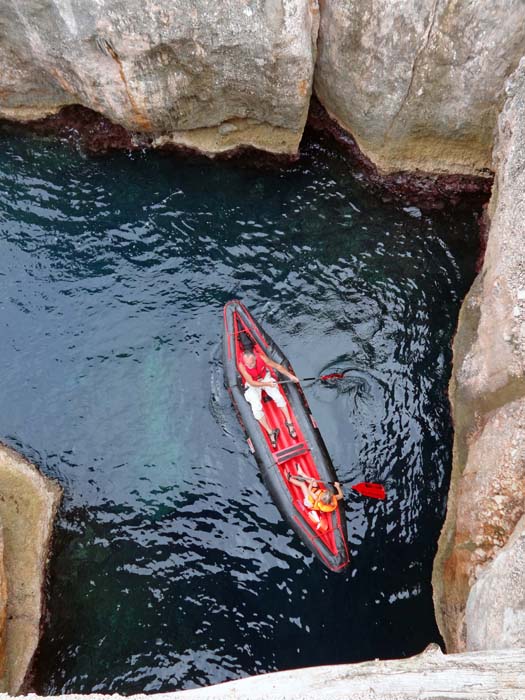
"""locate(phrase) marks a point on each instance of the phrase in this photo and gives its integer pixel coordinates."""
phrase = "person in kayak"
(316, 498)
(255, 370)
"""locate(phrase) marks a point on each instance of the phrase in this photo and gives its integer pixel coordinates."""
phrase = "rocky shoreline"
(28, 505)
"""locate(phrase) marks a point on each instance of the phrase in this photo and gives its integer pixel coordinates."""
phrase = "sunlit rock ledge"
(497, 675)
(28, 504)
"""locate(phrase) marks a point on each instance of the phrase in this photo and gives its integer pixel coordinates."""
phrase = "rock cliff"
(487, 392)
(206, 75)
(419, 83)
(28, 504)
(3, 614)
(495, 615)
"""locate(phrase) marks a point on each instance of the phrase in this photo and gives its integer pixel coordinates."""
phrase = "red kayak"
(323, 533)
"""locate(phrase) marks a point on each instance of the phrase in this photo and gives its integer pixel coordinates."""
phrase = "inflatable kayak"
(324, 533)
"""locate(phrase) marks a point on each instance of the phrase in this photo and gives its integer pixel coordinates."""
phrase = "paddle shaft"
(322, 378)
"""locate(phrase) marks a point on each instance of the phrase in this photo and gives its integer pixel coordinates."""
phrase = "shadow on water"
(171, 565)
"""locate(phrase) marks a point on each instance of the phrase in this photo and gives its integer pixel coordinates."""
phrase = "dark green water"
(171, 566)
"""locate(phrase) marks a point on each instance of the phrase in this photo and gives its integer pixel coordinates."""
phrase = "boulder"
(28, 504)
(419, 83)
(430, 675)
(206, 75)
(496, 604)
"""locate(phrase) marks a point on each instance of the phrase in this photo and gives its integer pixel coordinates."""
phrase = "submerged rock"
(28, 503)
(487, 392)
(206, 75)
(419, 83)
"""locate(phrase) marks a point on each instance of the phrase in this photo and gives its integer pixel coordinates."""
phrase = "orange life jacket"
(317, 504)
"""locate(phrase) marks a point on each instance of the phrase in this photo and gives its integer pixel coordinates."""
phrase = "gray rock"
(487, 392)
(28, 505)
(496, 603)
(419, 83)
(174, 70)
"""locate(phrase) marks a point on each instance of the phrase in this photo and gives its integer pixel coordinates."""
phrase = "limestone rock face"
(496, 604)
(3, 615)
(487, 392)
(210, 75)
(28, 504)
(419, 83)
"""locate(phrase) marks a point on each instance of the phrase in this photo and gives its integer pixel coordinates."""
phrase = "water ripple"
(172, 567)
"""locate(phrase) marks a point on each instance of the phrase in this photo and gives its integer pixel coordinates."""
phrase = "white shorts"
(253, 395)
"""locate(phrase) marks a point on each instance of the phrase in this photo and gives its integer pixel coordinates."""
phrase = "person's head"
(249, 359)
(326, 496)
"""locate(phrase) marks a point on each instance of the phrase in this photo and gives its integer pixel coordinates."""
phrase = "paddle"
(365, 488)
(368, 488)
(322, 378)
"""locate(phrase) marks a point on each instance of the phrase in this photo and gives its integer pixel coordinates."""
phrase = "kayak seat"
(266, 398)
(292, 452)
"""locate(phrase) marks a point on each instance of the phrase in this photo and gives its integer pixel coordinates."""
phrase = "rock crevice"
(413, 71)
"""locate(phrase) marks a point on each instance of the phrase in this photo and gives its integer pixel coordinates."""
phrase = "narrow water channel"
(171, 566)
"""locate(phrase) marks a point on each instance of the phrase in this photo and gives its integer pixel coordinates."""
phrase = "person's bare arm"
(339, 493)
(251, 381)
(279, 367)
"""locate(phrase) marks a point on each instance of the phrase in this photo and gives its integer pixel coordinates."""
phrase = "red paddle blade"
(334, 375)
(366, 488)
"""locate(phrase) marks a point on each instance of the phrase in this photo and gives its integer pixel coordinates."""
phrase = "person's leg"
(300, 470)
(275, 393)
(265, 425)
(302, 485)
(253, 395)
(304, 475)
